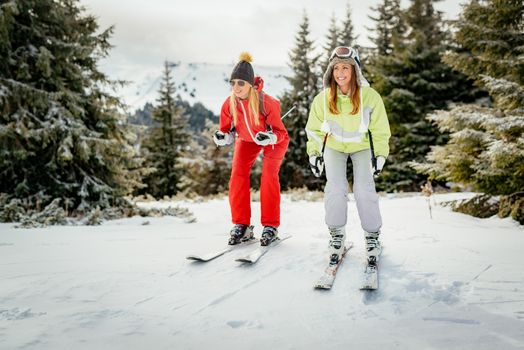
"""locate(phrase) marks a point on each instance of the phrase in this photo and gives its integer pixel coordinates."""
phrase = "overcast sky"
(148, 32)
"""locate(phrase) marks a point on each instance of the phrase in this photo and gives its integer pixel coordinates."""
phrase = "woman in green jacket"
(343, 118)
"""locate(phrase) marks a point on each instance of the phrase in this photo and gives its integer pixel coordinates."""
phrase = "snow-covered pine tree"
(210, 167)
(486, 146)
(304, 83)
(62, 135)
(489, 31)
(166, 141)
(414, 81)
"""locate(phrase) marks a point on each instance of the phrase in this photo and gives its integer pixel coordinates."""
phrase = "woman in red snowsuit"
(255, 119)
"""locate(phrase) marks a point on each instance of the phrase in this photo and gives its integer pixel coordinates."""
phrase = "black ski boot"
(240, 233)
(269, 234)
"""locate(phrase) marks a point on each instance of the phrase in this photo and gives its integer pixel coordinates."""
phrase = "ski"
(260, 251)
(328, 277)
(213, 255)
(370, 278)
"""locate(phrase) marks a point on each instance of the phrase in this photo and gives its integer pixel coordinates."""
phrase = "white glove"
(316, 163)
(380, 165)
(223, 139)
(265, 138)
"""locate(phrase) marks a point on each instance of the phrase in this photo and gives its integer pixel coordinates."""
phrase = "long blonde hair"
(254, 106)
(353, 88)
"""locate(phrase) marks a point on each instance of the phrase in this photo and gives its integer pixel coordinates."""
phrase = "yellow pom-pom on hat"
(243, 69)
(246, 56)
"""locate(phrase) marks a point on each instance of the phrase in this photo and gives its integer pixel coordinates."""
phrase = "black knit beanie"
(243, 70)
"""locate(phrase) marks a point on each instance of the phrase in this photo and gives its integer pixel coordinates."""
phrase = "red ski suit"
(245, 154)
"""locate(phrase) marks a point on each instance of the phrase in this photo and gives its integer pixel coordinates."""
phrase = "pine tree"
(219, 164)
(332, 41)
(337, 37)
(347, 36)
(389, 24)
(490, 38)
(486, 148)
(209, 168)
(389, 29)
(62, 135)
(166, 141)
(413, 81)
(304, 83)
(142, 116)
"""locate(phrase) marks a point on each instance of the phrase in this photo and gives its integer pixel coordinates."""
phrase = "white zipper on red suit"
(247, 123)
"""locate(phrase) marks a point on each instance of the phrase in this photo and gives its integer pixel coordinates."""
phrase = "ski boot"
(336, 244)
(269, 234)
(373, 247)
(240, 233)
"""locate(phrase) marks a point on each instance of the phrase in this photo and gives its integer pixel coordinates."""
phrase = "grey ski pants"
(336, 190)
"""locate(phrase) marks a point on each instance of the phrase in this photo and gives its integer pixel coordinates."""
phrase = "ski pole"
(292, 108)
(373, 157)
(324, 144)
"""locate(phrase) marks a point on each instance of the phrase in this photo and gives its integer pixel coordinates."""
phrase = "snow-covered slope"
(208, 83)
(451, 282)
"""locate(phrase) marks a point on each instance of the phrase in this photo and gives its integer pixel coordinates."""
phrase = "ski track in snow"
(451, 282)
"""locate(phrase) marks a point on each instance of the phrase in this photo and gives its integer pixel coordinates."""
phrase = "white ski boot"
(373, 246)
(336, 244)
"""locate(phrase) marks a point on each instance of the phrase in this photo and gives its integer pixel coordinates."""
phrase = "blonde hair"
(254, 106)
(353, 88)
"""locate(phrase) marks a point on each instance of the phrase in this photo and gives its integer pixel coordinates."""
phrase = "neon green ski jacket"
(347, 132)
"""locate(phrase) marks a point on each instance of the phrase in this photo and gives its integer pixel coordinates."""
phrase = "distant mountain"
(196, 115)
(196, 82)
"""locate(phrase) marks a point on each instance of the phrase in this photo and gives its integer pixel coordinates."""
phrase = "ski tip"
(372, 285)
(322, 287)
(370, 288)
(195, 258)
(242, 260)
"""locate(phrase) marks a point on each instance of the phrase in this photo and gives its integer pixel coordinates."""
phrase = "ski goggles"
(238, 82)
(345, 52)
